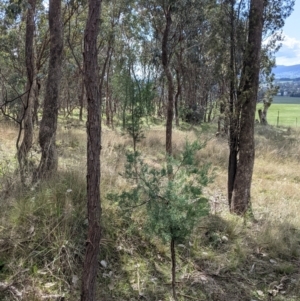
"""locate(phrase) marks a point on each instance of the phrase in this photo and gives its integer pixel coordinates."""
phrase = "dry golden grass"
(227, 258)
(276, 178)
(8, 137)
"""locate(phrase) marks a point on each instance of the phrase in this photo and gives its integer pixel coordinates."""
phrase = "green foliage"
(172, 194)
(275, 13)
(12, 10)
(136, 99)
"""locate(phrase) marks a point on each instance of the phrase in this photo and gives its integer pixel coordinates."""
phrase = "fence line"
(285, 121)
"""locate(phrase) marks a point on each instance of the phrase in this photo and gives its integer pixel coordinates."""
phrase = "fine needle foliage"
(171, 194)
(139, 108)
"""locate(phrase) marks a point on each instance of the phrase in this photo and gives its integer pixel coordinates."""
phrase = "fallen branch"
(57, 297)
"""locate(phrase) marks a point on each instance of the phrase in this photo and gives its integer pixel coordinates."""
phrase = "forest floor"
(227, 258)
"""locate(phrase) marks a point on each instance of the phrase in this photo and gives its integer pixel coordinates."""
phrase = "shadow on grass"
(235, 262)
(224, 260)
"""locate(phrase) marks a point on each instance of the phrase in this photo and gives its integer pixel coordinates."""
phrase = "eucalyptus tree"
(161, 15)
(124, 41)
(13, 20)
(246, 99)
(12, 58)
(90, 58)
(274, 16)
(198, 60)
(115, 15)
(26, 57)
(236, 35)
(244, 67)
(268, 88)
(177, 29)
(21, 58)
(47, 134)
(165, 58)
(30, 89)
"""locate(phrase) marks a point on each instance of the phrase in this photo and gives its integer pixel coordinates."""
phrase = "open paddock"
(284, 111)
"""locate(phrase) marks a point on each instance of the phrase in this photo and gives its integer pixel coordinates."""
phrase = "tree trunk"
(247, 98)
(234, 112)
(166, 66)
(173, 256)
(263, 113)
(161, 98)
(177, 97)
(107, 105)
(81, 101)
(29, 97)
(108, 110)
(89, 275)
(48, 126)
(205, 110)
(35, 117)
(210, 110)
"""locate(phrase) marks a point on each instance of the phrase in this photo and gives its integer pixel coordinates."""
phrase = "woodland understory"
(131, 164)
(227, 257)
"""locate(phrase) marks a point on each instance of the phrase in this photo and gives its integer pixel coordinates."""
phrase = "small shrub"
(171, 194)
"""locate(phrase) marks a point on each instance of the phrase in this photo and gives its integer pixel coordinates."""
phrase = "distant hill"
(287, 72)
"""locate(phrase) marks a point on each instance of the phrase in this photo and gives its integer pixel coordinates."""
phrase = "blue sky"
(289, 53)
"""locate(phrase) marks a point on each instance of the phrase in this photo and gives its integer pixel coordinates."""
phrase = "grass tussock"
(43, 228)
(41, 247)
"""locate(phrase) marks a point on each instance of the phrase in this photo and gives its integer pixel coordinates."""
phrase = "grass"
(284, 114)
(43, 228)
(284, 111)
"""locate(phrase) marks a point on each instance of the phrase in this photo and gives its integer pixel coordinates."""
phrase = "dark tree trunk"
(205, 105)
(210, 110)
(35, 117)
(108, 110)
(205, 108)
(177, 97)
(161, 100)
(173, 256)
(168, 73)
(29, 97)
(234, 111)
(179, 70)
(81, 101)
(107, 105)
(48, 126)
(91, 81)
(247, 98)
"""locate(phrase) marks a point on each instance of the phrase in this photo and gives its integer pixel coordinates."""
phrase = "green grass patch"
(283, 114)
